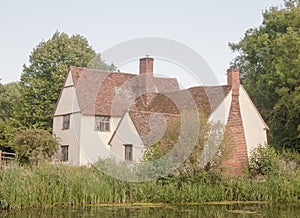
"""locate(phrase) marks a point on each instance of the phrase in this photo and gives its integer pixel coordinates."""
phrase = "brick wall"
(237, 159)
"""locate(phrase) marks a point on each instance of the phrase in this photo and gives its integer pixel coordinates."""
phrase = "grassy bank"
(48, 185)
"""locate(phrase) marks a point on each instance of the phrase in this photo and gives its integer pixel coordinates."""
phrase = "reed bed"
(47, 185)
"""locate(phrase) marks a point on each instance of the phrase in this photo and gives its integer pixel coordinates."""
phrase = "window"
(102, 123)
(66, 121)
(64, 153)
(128, 152)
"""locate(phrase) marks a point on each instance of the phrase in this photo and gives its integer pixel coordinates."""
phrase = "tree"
(42, 80)
(9, 94)
(268, 57)
(35, 145)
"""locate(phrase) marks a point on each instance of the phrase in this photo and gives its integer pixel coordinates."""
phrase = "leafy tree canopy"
(269, 60)
(42, 80)
(9, 94)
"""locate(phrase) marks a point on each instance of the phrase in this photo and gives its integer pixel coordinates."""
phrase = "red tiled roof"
(204, 98)
(150, 126)
(113, 93)
(151, 120)
(110, 93)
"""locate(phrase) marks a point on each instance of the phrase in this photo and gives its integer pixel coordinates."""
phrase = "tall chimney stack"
(146, 80)
(146, 65)
(233, 80)
(237, 158)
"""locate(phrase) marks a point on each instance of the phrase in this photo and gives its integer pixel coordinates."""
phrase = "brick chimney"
(146, 65)
(233, 80)
(146, 80)
(237, 159)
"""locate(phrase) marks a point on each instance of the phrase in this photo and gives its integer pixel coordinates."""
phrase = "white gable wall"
(222, 112)
(94, 144)
(220, 115)
(127, 134)
(69, 80)
(68, 104)
(254, 127)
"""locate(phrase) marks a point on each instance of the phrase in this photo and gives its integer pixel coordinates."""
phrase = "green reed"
(52, 184)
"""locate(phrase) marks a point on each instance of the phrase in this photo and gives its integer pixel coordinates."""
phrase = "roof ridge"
(97, 70)
(151, 112)
(208, 86)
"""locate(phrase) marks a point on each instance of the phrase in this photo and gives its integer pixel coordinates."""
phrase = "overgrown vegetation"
(264, 161)
(208, 150)
(55, 184)
(35, 145)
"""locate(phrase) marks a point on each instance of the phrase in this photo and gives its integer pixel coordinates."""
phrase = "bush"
(35, 145)
(264, 161)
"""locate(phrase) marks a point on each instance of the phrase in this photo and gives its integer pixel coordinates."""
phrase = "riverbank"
(165, 210)
(48, 185)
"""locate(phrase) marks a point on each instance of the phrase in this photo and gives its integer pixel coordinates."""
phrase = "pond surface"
(166, 210)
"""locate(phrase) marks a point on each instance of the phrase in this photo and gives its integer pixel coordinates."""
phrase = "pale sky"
(204, 26)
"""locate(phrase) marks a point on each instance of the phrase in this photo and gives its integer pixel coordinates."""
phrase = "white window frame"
(102, 123)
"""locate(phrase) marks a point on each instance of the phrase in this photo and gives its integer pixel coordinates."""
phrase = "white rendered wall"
(254, 127)
(68, 104)
(94, 144)
(126, 134)
(68, 100)
(69, 80)
(222, 112)
(68, 137)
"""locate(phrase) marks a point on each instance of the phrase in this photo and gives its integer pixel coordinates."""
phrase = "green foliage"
(42, 80)
(35, 145)
(264, 161)
(9, 94)
(176, 142)
(8, 132)
(45, 185)
(213, 145)
(291, 155)
(268, 57)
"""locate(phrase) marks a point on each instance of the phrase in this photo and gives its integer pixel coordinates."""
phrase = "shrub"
(35, 145)
(264, 160)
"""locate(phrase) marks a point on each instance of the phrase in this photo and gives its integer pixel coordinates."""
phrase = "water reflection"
(235, 210)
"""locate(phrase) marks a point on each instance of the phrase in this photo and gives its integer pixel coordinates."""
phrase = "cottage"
(102, 114)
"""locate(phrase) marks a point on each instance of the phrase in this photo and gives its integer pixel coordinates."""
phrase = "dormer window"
(102, 123)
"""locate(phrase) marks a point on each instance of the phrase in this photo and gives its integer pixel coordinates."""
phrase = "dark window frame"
(64, 153)
(102, 123)
(66, 121)
(128, 152)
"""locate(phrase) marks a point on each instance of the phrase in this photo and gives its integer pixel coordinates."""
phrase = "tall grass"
(47, 185)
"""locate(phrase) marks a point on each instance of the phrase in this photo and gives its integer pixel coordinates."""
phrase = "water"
(169, 210)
